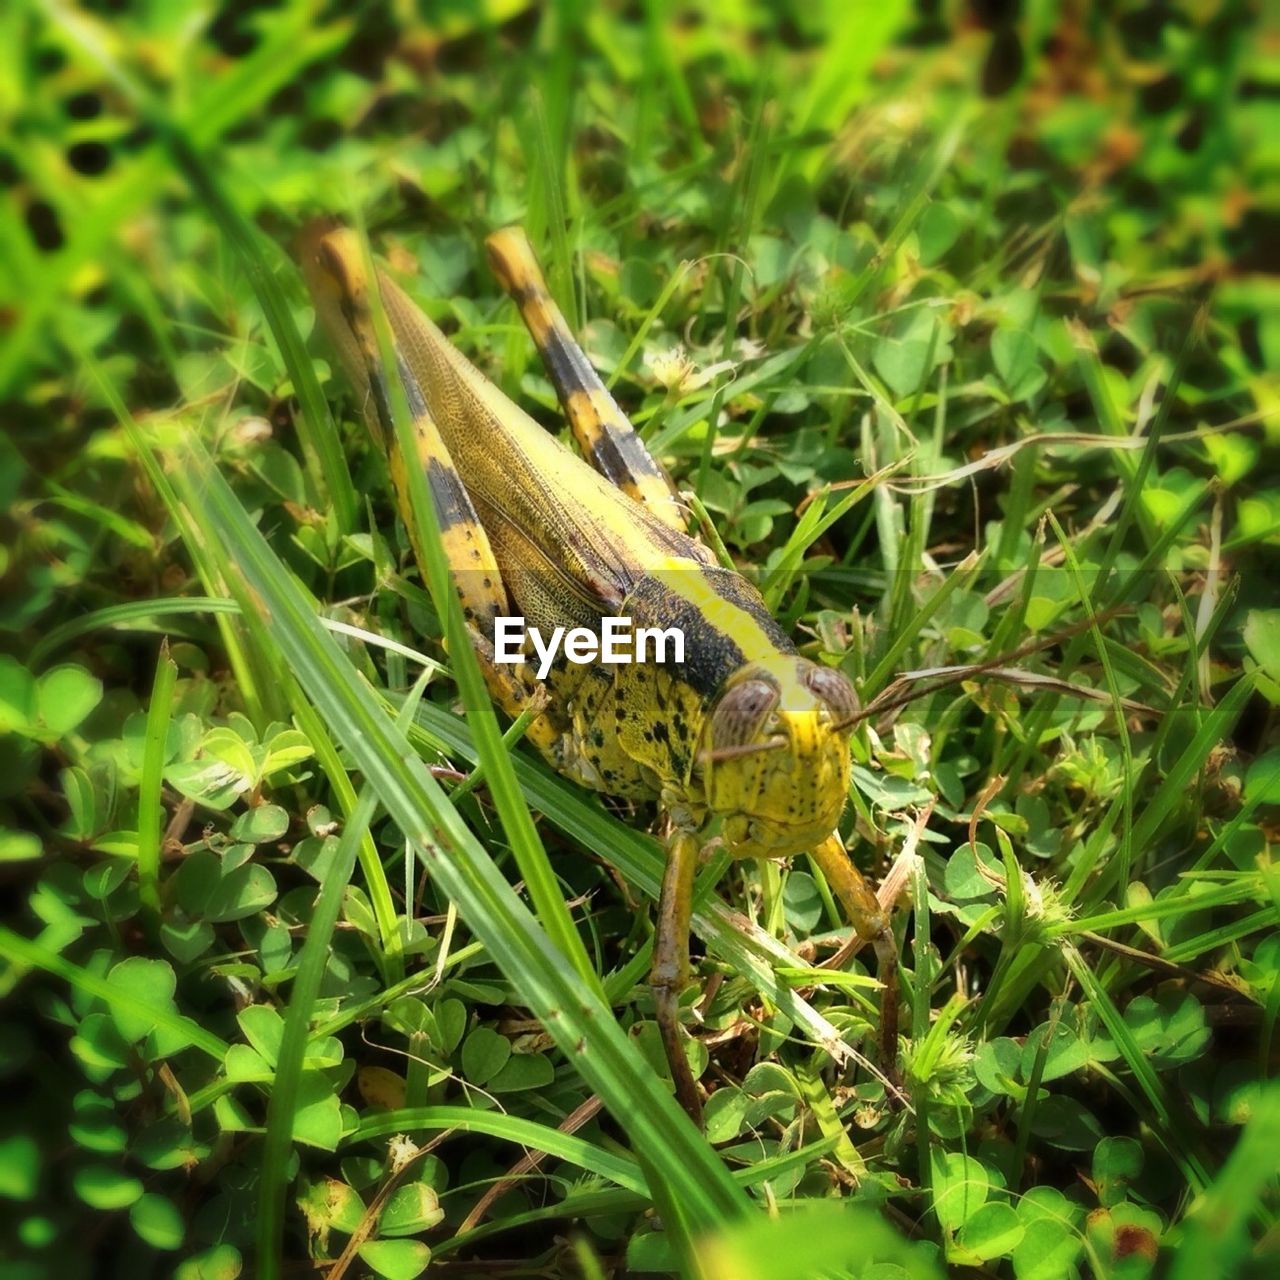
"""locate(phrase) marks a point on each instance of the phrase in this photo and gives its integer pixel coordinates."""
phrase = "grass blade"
(317, 432)
(273, 1178)
(525, 1133)
(150, 812)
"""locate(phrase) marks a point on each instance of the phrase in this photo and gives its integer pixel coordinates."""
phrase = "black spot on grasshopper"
(453, 507)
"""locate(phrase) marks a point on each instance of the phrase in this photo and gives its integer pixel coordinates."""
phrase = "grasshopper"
(744, 731)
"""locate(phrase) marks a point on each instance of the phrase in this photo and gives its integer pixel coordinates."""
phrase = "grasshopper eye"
(834, 689)
(741, 714)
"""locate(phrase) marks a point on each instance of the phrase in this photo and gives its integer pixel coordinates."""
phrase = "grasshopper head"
(776, 755)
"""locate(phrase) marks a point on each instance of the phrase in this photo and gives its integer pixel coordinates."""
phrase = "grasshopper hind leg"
(474, 571)
(334, 265)
(607, 440)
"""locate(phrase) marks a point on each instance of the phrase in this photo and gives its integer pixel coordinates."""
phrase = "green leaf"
(317, 1117)
(991, 1232)
(65, 696)
(19, 1167)
(1170, 1029)
(903, 363)
(997, 1065)
(484, 1054)
(17, 696)
(99, 1045)
(286, 749)
(157, 1221)
(222, 1262)
(726, 1114)
(19, 846)
(205, 892)
(168, 1144)
(226, 768)
(1048, 1249)
(802, 902)
(1117, 1162)
(213, 783)
(279, 470)
(938, 229)
(78, 788)
(961, 1185)
(185, 940)
(1233, 455)
(1066, 1123)
(151, 983)
(411, 1208)
(243, 1064)
(1129, 1236)
(263, 1027)
(396, 1259)
(650, 1252)
(1013, 352)
(95, 1125)
(1066, 1052)
(1262, 639)
(260, 825)
(451, 1018)
(103, 1187)
(329, 1204)
(1262, 780)
(522, 1071)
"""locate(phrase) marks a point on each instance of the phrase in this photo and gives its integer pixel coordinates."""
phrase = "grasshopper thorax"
(775, 755)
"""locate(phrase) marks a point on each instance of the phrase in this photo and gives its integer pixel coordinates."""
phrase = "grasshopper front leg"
(871, 923)
(670, 973)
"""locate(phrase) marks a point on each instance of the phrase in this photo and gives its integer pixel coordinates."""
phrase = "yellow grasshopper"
(743, 730)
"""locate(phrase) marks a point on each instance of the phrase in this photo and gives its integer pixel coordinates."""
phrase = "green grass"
(309, 953)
